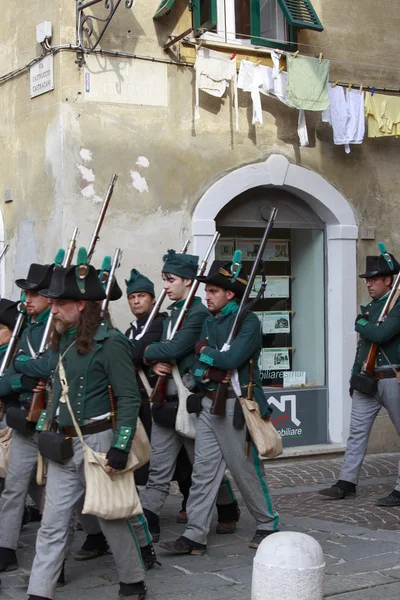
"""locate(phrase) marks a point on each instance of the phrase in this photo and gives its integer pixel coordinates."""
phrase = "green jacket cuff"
(16, 384)
(361, 323)
(122, 440)
(205, 358)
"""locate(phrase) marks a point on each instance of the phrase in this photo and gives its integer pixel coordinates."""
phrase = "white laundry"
(265, 80)
(214, 71)
(346, 115)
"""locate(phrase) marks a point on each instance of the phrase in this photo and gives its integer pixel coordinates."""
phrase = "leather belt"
(90, 429)
(385, 374)
(212, 393)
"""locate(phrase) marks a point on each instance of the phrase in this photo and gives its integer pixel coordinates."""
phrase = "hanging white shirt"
(214, 72)
(346, 115)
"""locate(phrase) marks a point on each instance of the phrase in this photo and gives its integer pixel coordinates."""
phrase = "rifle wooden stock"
(242, 306)
(369, 365)
(219, 402)
(160, 388)
(36, 406)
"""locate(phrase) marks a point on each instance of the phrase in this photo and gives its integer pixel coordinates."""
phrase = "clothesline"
(223, 39)
(348, 84)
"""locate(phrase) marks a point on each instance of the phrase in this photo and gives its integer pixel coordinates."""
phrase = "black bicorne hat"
(8, 313)
(378, 266)
(78, 282)
(228, 275)
(38, 278)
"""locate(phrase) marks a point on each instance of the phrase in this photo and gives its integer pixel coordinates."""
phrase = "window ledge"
(188, 52)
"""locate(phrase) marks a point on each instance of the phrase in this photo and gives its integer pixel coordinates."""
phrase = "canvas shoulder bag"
(107, 496)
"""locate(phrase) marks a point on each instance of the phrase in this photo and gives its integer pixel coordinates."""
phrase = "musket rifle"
(159, 390)
(110, 281)
(368, 368)
(4, 251)
(219, 402)
(158, 304)
(95, 236)
(12, 345)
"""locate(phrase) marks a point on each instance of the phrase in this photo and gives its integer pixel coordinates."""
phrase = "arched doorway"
(306, 201)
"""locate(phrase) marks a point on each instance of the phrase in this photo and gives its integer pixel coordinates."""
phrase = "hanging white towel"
(214, 71)
(346, 115)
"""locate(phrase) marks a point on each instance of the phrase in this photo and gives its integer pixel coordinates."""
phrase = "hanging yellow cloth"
(383, 113)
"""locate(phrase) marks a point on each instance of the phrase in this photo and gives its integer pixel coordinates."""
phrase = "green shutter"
(300, 14)
(165, 6)
(204, 13)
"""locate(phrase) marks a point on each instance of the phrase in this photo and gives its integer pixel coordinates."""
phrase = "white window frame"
(226, 25)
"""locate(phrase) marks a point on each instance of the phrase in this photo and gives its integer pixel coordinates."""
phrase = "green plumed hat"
(139, 283)
(182, 265)
(104, 273)
(228, 275)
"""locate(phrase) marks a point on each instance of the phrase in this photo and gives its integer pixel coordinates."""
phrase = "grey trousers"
(65, 487)
(91, 526)
(165, 447)
(365, 409)
(20, 478)
(220, 445)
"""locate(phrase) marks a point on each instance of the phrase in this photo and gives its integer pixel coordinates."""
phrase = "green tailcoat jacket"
(29, 342)
(387, 335)
(181, 347)
(246, 345)
(108, 362)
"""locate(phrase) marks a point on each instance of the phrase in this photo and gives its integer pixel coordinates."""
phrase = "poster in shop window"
(276, 322)
(274, 359)
(225, 249)
(277, 287)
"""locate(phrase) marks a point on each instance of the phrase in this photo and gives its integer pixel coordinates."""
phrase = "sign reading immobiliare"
(42, 76)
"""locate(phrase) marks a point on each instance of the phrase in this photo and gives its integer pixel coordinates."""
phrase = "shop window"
(292, 314)
(258, 22)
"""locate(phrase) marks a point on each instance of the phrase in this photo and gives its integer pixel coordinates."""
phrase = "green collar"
(383, 299)
(3, 348)
(42, 318)
(179, 303)
(230, 308)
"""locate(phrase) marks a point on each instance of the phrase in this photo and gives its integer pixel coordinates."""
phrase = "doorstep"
(313, 451)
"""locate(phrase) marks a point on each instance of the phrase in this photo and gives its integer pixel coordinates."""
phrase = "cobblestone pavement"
(361, 543)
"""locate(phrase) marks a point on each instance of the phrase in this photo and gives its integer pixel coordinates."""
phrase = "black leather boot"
(153, 522)
(228, 516)
(8, 559)
(340, 490)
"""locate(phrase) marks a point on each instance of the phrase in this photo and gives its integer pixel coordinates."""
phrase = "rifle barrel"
(110, 280)
(12, 343)
(95, 236)
(66, 263)
(158, 304)
(4, 251)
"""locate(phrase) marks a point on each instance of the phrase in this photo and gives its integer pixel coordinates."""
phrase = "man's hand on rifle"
(162, 369)
(217, 375)
(41, 386)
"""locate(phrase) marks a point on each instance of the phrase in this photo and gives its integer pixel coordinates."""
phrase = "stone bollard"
(288, 566)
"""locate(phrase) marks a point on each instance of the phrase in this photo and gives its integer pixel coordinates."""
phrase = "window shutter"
(164, 6)
(204, 13)
(300, 14)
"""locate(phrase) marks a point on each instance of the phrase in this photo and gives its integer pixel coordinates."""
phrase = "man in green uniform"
(23, 451)
(365, 407)
(8, 316)
(94, 357)
(220, 441)
(178, 273)
(141, 298)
